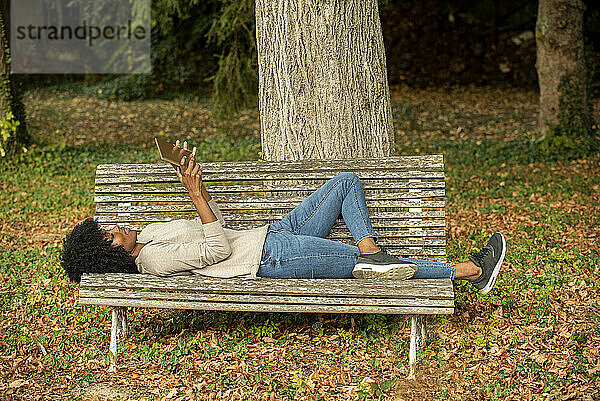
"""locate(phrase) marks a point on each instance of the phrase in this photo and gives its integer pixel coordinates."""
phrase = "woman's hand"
(190, 175)
(181, 150)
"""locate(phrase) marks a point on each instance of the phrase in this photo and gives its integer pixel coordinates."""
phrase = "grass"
(536, 336)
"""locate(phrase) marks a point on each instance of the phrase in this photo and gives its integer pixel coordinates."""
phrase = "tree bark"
(560, 53)
(323, 89)
(4, 66)
(10, 99)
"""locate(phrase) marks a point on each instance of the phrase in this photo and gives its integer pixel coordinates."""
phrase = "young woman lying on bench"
(294, 247)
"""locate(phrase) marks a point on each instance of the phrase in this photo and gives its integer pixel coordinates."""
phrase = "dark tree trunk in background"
(11, 140)
(323, 89)
(4, 66)
(560, 59)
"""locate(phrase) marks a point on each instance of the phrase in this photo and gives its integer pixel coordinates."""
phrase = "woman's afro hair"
(86, 250)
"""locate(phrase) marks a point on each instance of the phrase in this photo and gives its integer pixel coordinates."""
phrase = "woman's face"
(122, 236)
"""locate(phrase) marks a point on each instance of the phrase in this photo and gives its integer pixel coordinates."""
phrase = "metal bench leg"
(417, 338)
(124, 323)
(119, 329)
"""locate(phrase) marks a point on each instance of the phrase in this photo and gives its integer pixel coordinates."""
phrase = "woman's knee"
(348, 176)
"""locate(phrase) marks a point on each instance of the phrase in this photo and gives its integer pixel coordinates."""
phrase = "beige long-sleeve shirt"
(184, 247)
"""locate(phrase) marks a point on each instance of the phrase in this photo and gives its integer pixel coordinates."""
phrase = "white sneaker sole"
(390, 272)
(494, 275)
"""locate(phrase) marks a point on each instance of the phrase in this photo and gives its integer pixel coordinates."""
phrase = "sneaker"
(490, 259)
(383, 265)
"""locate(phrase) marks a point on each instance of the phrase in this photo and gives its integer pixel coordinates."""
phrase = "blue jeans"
(296, 247)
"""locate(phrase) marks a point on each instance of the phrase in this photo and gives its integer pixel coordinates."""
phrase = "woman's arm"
(203, 208)
(213, 205)
(205, 193)
(191, 178)
(198, 193)
(168, 258)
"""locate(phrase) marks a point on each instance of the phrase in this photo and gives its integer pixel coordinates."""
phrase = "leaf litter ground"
(535, 337)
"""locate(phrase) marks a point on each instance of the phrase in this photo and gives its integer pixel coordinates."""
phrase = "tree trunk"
(323, 90)
(4, 66)
(560, 56)
(13, 137)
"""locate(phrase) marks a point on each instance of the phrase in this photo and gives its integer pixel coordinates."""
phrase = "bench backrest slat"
(130, 189)
(429, 162)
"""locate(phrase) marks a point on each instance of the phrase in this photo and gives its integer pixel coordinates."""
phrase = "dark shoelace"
(477, 257)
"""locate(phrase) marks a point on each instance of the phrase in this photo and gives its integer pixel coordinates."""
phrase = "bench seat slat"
(427, 288)
(436, 296)
(257, 307)
(260, 298)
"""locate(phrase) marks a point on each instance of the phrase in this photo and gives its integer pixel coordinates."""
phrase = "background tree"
(13, 131)
(235, 82)
(323, 89)
(564, 76)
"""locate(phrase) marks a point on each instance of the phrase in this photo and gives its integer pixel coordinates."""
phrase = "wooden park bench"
(405, 198)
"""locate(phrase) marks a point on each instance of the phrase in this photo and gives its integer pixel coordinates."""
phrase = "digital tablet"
(169, 154)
